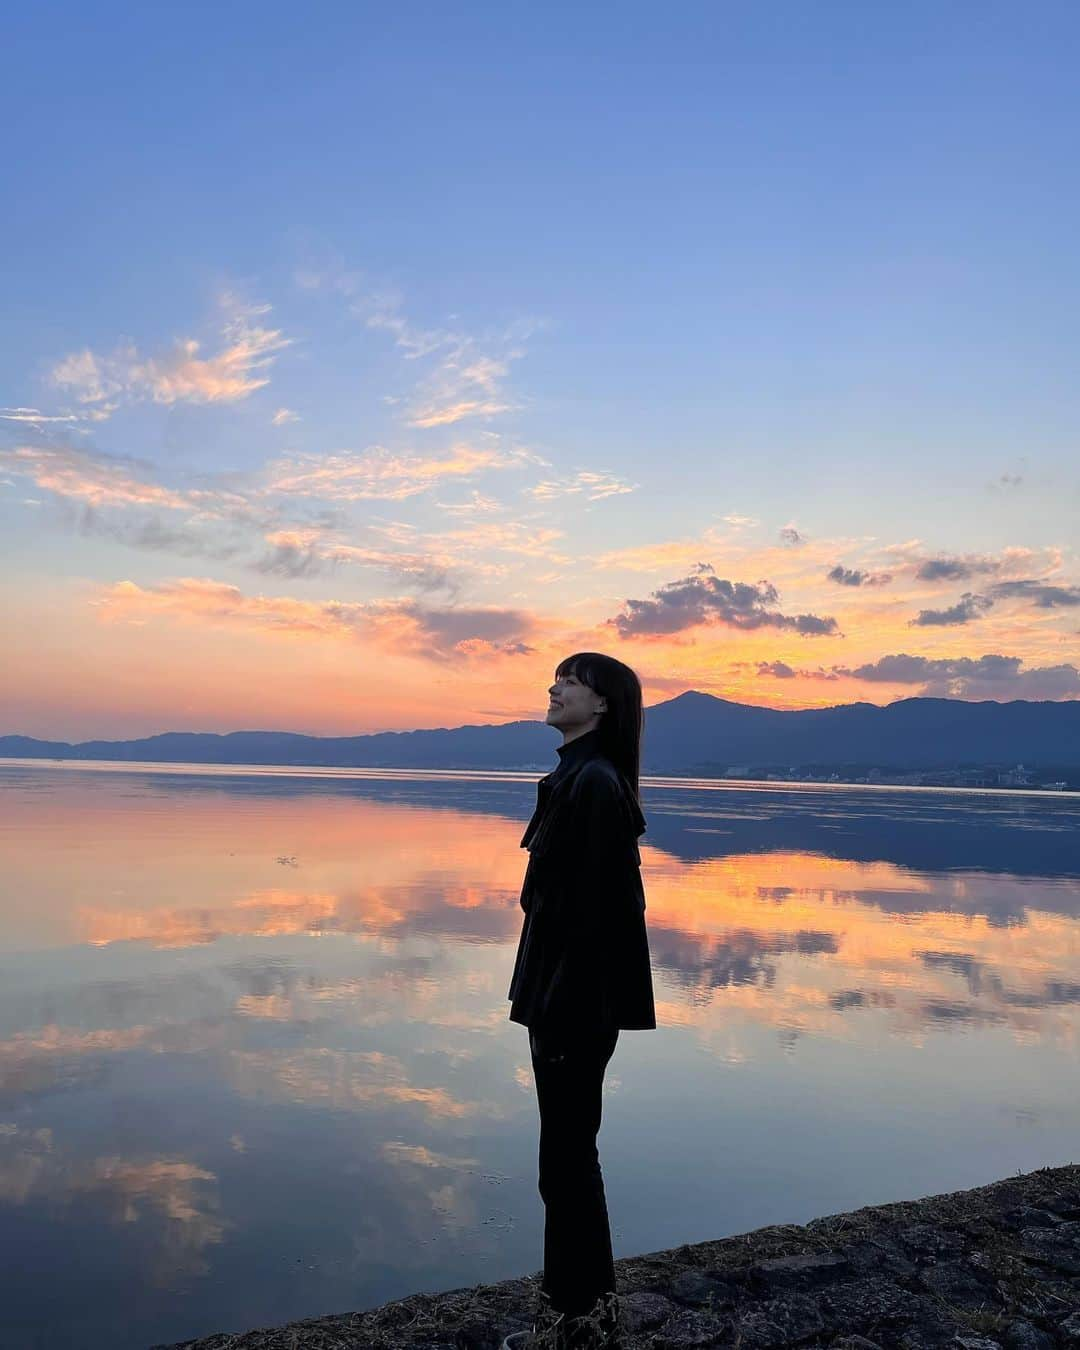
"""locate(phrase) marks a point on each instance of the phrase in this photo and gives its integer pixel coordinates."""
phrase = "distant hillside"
(692, 734)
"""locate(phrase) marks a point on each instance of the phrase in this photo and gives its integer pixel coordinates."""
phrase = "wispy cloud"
(402, 625)
(109, 496)
(283, 416)
(182, 375)
(99, 479)
(476, 504)
(33, 416)
(465, 376)
(445, 412)
(476, 542)
(587, 483)
(507, 536)
(306, 552)
(380, 473)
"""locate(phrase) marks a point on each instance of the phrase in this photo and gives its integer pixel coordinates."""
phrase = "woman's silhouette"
(581, 975)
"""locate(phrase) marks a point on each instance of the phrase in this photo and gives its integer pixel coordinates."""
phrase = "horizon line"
(464, 726)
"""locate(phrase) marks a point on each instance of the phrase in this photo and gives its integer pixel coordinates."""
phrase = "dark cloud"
(968, 607)
(850, 576)
(790, 535)
(288, 558)
(148, 533)
(293, 560)
(448, 634)
(224, 534)
(905, 669)
(743, 957)
(703, 598)
(1042, 594)
(954, 569)
(988, 676)
(777, 668)
(781, 671)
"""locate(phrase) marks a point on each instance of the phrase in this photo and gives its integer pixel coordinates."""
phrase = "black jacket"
(583, 956)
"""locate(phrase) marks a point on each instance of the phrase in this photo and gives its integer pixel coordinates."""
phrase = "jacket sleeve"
(604, 848)
(595, 883)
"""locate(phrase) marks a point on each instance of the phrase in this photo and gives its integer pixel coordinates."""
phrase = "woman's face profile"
(573, 704)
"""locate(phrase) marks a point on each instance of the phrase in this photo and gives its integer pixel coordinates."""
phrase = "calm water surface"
(255, 1062)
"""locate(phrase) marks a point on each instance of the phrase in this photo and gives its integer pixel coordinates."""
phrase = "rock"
(687, 1330)
(1025, 1216)
(854, 1343)
(931, 1332)
(808, 1271)
(694, 1288)
(779, 1321)
(957, 1283)
(878, 1254)
(644, 1310)
(867, 1301)
(1068, 1330)
(924, 1240)
(1064, 1206)
(477, 1333)
(1023, 1335)
(1058, 1247)
(1047, 1299)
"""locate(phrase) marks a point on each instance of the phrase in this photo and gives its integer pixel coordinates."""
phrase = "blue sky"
(791, 286)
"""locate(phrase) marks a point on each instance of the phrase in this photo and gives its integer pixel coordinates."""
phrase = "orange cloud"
(95, 479)
(347, 1080)
(423, 631)
(179, 1192)
(182, 375)
(594, 486)
(379, 473)
(447, 414)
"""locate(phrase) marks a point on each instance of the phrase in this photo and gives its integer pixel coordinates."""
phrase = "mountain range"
(692, 734)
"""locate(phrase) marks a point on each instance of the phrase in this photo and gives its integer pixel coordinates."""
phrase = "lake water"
(255, 1062)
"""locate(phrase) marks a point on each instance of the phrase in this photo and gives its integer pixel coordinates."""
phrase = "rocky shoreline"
(997, 1266)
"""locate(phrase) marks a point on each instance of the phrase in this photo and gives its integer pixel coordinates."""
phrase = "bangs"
(580, 666)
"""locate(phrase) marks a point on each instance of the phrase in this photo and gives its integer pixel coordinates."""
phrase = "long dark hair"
(622, 724)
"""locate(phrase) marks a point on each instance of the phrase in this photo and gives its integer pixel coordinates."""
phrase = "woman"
(581, 975)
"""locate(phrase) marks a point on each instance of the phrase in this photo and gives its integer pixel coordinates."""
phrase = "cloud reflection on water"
(237, 1010)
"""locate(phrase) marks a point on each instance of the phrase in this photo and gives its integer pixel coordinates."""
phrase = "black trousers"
(569, 1074)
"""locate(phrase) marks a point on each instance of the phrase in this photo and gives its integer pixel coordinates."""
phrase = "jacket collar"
(578, 750)
(571, 757)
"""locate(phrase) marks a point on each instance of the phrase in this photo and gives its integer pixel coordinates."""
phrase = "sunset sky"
(358, 362)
